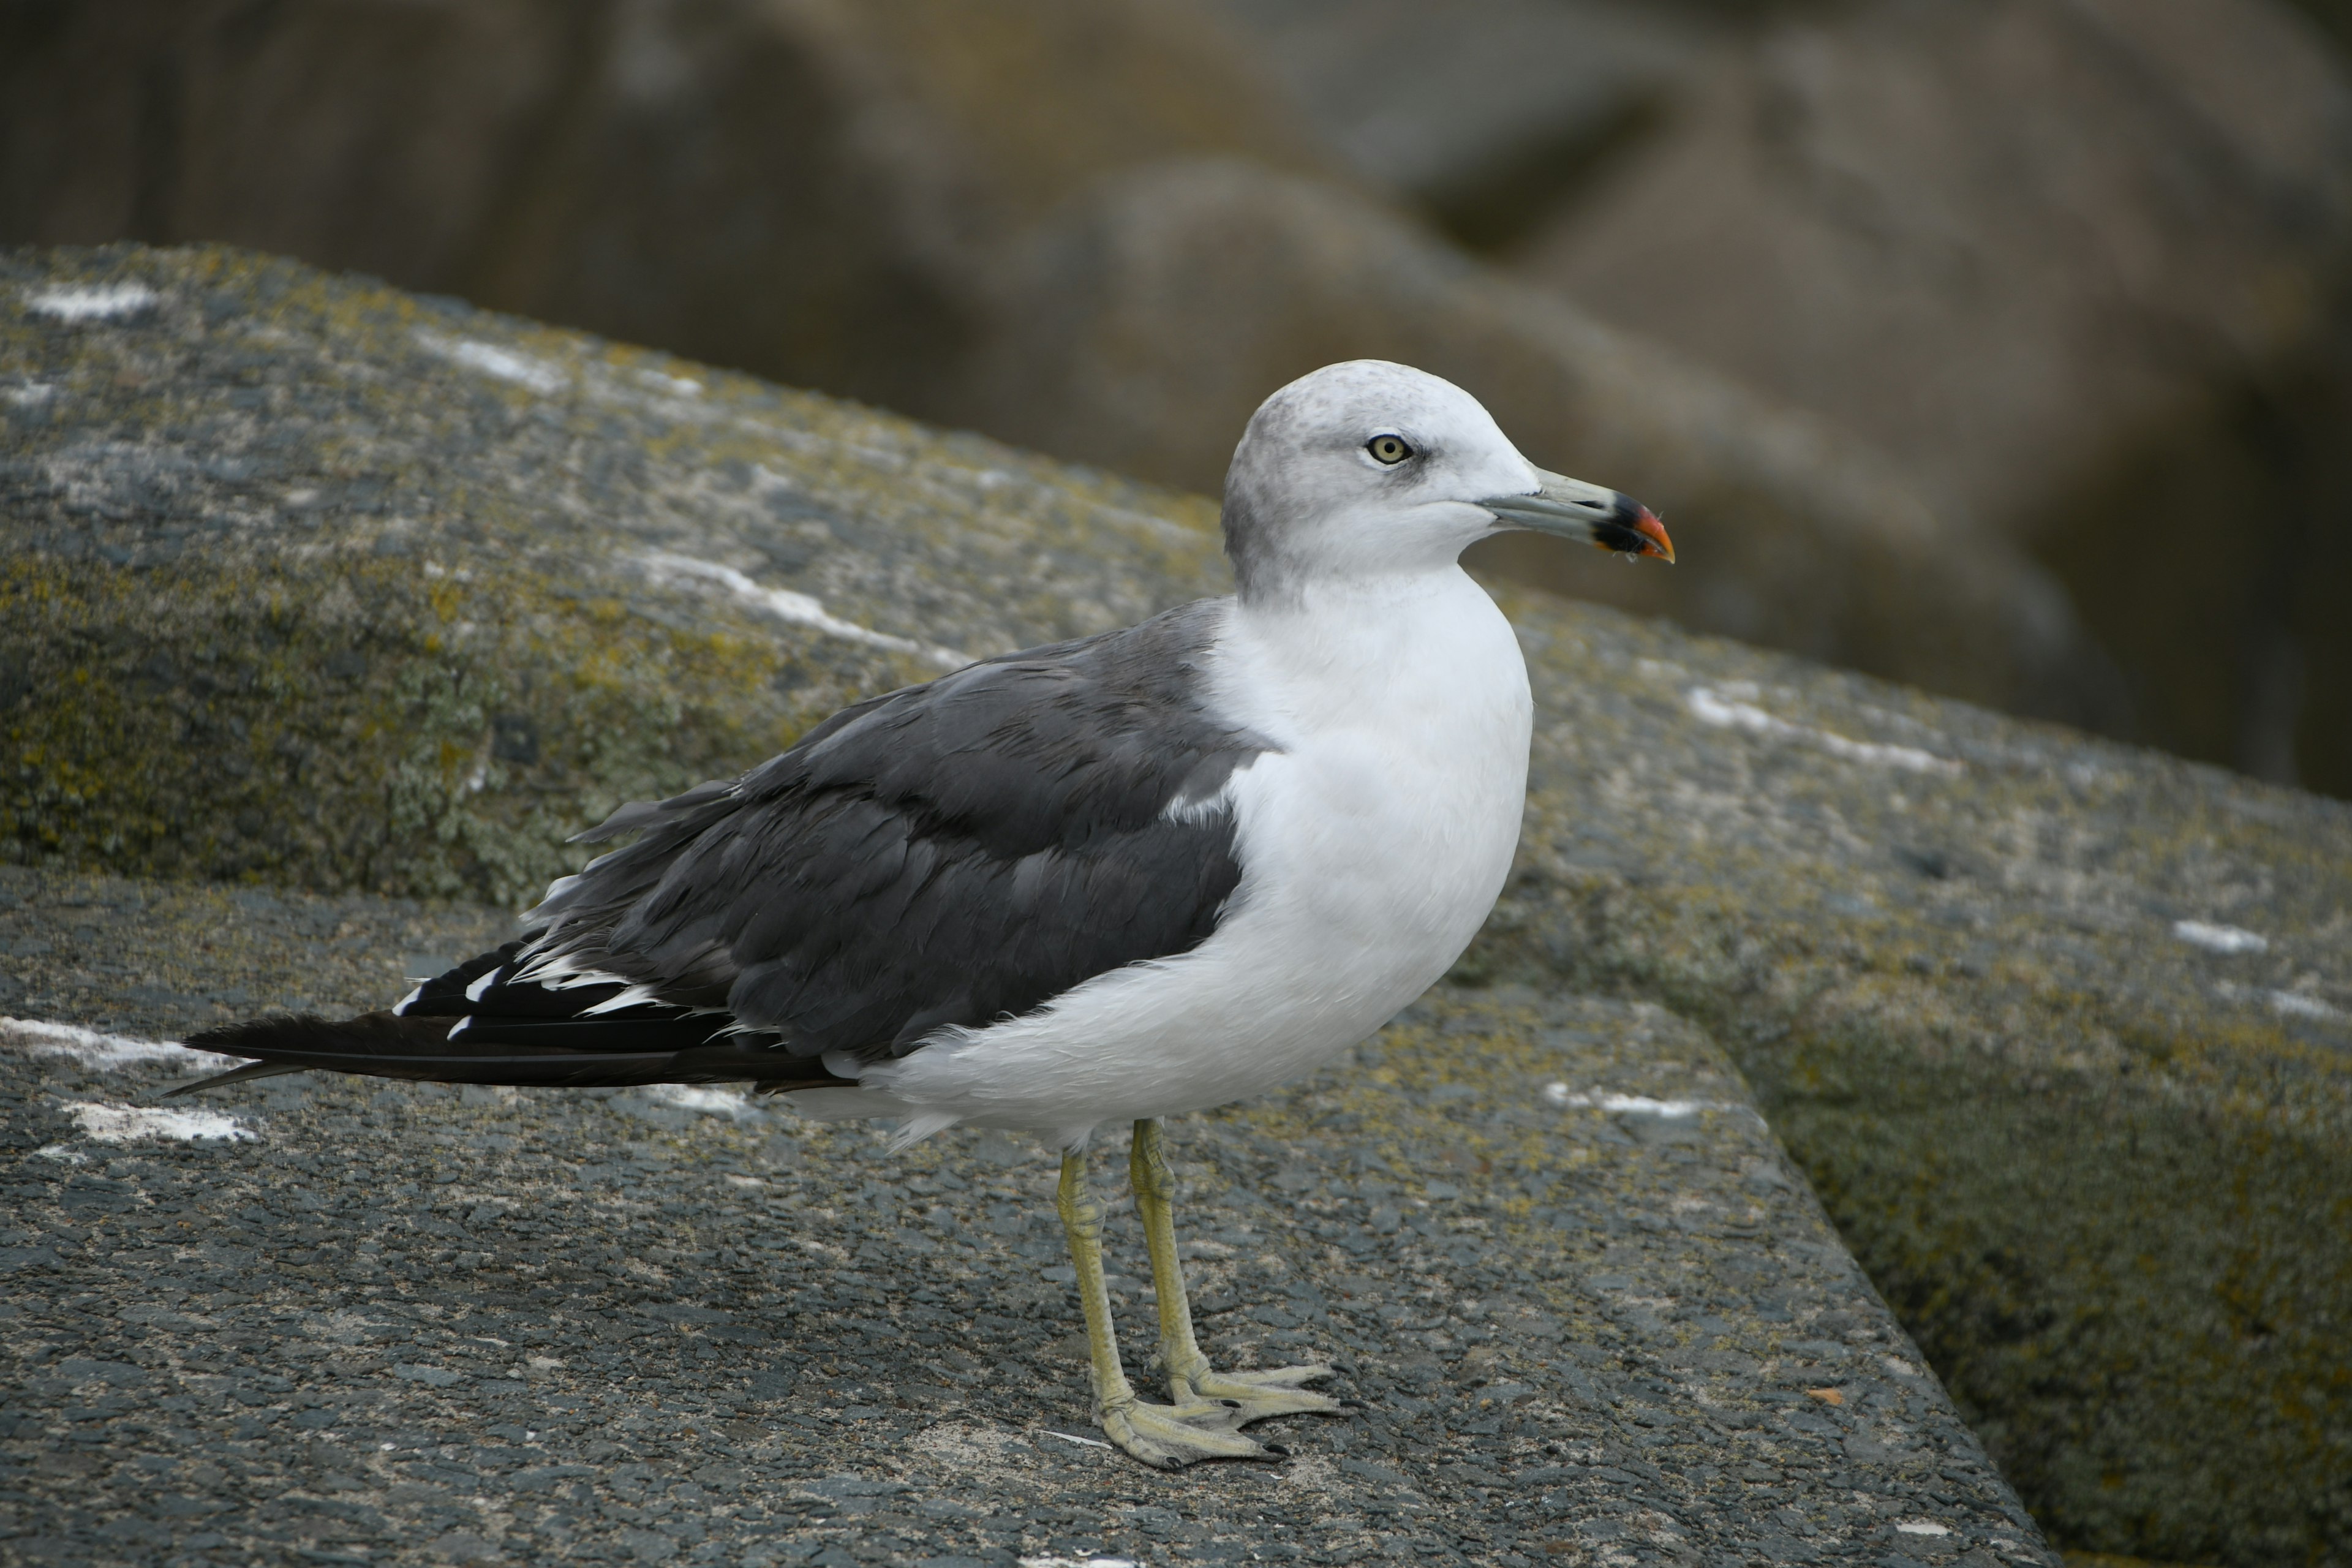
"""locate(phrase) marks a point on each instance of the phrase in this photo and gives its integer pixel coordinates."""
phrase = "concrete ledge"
(1595, 1316)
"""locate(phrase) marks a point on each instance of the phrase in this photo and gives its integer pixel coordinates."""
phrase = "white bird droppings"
(711, 1101)
(1923, 1527)
(801, 609)
(91, 302)
(109, 1123)
(1621, 1104)
(2220, 938)
(2286, 1004)
(1725, 710)
(675, 385)
(2295, 1004)
(36, 1037)
(506, 364)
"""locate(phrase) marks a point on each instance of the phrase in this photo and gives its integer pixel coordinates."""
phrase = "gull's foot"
(1170, 1436)
(1258, 1394)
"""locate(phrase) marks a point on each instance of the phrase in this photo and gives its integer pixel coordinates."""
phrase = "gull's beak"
(1570, 508)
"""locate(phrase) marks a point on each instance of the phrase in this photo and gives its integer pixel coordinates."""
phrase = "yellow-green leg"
(1160, 1435)
(1254, 1394)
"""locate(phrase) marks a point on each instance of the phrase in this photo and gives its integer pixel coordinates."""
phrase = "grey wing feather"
(952, 853)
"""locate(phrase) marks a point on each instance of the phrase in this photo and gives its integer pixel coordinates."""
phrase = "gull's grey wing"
(952, 853)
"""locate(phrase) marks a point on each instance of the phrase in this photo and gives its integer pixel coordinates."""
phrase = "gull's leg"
(1256, 1393)
(1160, 1435)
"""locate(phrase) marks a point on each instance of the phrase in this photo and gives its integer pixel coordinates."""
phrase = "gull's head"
(1370, 469)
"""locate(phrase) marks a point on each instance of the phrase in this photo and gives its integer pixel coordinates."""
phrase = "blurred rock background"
(1997, 345)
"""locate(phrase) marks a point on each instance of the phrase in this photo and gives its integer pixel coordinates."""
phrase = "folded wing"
(950, 854)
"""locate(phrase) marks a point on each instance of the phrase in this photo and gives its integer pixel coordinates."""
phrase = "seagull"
(1113, 880)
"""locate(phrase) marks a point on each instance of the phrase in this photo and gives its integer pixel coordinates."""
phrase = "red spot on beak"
(1648, 526)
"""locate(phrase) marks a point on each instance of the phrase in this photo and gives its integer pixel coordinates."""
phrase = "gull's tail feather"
(481, 1023)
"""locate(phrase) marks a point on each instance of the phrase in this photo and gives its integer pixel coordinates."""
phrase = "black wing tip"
(616, 1051)
(260, 1039)
(271, 1032)
(245, 1074)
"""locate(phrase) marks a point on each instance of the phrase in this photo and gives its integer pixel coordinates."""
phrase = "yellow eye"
(1389, 450)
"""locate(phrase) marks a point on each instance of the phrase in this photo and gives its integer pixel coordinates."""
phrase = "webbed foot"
(1170, 1436)
(1258, 1394)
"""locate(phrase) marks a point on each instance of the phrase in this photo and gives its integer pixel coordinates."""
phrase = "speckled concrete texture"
(309, 582)
(2058, 1028)
(368, 1322)
(446, 583)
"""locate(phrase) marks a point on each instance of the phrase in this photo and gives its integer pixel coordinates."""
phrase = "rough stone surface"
(274, 608)
(386, 1323)
(2057, 1028)
(334, 480)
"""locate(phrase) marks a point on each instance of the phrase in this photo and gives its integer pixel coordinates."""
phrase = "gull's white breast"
(1373, 844)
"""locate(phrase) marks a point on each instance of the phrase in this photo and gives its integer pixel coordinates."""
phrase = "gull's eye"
(1389, 450)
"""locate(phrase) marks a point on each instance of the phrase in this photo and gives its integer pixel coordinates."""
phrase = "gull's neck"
(1330, 599)
(1356, 649)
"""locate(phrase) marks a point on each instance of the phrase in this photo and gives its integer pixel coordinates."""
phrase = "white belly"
(1373, 845)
